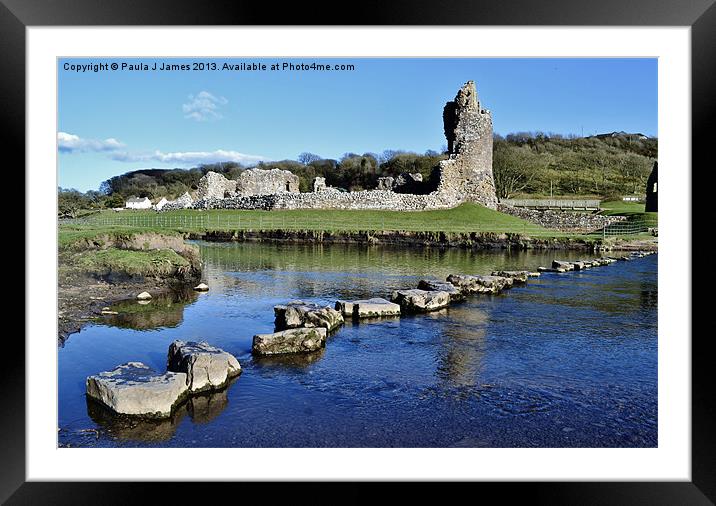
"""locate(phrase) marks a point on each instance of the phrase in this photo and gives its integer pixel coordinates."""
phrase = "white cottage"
(138, 203)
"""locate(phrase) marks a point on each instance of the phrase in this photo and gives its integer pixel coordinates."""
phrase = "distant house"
(138, 203)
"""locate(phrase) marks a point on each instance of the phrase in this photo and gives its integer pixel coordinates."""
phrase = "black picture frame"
(700, 15)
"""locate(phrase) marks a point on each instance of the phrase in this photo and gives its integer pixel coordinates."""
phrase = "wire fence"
(269, 221)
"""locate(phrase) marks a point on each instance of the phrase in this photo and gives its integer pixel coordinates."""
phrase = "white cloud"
(203, 106)
(182, 158)
(70, 143)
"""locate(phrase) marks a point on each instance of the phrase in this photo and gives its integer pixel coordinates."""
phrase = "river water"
(568, 360)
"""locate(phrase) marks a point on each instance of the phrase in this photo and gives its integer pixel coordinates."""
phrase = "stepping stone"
(480, 284)
(441, 286)
(297, 314)
(206, 367)
(421, 301)
(299, 340)
(516, 276)
(558, 264)
(136, 389)
(368, 308)
(550, 269)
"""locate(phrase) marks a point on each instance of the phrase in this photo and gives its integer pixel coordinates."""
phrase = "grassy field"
(146, 263)
(632, 210)
(465, 218)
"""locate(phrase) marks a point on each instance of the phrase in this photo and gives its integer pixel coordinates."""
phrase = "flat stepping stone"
(480, 284)
(421, 301)
(136, 389)
(299, 340)
(206, 367)
(368, 308)
(559, 264)
(297, 314)
(441, 286)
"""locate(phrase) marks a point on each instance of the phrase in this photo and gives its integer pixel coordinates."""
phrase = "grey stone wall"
(561, 220)
(183, 202)
(334, 199)
(215, 186)
(266, 182)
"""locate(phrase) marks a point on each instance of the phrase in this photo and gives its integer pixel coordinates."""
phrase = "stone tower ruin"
(467, 174)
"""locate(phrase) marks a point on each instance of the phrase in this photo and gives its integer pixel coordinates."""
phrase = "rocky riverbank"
(468, 240)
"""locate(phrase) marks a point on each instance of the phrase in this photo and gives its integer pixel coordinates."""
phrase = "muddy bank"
(96, 272)
(468, 240)
(81, 302)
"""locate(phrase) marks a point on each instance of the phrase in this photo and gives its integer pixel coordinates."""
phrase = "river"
(568, 360)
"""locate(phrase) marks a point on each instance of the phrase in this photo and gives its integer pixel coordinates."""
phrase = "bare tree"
(305, 158)
(514, 168)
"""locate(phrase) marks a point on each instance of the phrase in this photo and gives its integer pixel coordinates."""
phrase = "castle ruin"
(466, 176)
(468, 130)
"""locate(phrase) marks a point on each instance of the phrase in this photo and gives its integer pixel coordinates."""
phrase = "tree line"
(541, 164)
(524, 163)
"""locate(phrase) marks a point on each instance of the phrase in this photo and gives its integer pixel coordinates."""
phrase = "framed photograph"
(424, 247)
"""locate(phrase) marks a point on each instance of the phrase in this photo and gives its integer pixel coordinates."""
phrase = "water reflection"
(292, 361)
(162, 311)
(124, 428)
(462, 347)
(206, 407)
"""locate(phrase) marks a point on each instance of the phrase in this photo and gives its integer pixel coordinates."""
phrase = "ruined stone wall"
(266, 182)
(465, 177)
(468, 130)
(215, 186)
(562, 220)
(183, 202)
(334, 199)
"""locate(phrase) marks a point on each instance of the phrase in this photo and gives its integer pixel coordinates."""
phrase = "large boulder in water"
(479, 284)
(559, 264)
(441, 286)
(516, 276)
(421, 301)
(297, 314)
(298, 340)
(136, 389)
(206, 367)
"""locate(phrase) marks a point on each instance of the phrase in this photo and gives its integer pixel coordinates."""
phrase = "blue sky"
(111, 122)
